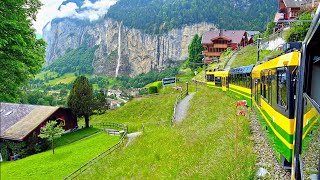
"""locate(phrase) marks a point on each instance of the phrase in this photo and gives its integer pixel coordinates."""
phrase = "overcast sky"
(49, 11)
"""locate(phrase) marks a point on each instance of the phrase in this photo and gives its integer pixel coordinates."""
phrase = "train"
(285, 91)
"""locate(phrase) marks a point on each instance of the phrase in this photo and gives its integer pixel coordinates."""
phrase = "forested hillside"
(157, 16)
(75, 61)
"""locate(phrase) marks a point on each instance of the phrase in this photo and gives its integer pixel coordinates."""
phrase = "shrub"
(153, 89)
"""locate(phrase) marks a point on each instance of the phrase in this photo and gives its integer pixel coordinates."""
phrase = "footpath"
(182, 108)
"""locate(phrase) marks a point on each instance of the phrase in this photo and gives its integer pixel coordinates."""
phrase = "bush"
(153, 89)
(32, 146)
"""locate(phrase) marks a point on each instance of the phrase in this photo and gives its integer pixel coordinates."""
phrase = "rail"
(84, 167)
(182, 95)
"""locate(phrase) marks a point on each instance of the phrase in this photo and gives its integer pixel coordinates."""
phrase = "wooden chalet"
(20, 121)
(288, 10)
(216, 42)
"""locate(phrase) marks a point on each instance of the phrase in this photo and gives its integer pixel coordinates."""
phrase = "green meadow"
(201, 147)
(64, 161)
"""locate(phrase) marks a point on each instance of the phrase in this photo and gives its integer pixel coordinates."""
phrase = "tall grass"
(201, 147)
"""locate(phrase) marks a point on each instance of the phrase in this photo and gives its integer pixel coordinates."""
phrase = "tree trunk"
(52, 147)
(86, 119)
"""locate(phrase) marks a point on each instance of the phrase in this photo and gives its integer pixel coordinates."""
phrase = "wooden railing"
(104, 153)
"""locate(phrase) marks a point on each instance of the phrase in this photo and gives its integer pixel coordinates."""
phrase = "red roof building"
(216, 42)
(288, 10)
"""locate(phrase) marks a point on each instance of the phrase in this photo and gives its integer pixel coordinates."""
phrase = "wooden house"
(288, 10)
(20, 121)
(216, 42)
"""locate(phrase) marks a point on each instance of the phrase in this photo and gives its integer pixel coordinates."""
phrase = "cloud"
(47, 12)
(90, 11)
(68, 10)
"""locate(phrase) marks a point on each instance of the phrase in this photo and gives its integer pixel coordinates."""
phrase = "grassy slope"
(75, 136)
(248, 55)
(201, 147)
(147, 109)
(65, 79)
(65, 160)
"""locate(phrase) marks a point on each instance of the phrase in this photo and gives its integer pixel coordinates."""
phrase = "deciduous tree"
(21, 54)
(51, 131)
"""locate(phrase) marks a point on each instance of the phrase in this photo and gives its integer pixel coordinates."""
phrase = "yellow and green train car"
(218, 79)
(240, 83)
(273, 91)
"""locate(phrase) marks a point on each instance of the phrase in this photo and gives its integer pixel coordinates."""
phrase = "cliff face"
(121, 50)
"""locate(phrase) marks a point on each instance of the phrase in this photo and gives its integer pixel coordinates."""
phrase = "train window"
(248, 81)
(282, 87)
(218, 81)
(210, 78)
(269, 87)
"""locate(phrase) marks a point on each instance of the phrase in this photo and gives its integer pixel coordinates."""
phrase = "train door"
(224, 83)
(257, 91)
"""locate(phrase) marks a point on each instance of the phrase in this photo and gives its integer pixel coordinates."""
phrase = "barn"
(19, 121)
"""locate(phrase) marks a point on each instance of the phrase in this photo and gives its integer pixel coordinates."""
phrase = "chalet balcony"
(225, 46)
(211, 54)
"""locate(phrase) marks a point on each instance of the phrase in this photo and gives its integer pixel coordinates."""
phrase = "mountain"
(157, 16)
(131, 37)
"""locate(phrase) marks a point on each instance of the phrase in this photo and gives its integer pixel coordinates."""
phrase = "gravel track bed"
(266, 158)
(311, 157)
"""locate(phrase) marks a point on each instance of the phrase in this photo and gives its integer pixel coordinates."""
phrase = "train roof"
(290, 59)
(241, 70)
(218, 73)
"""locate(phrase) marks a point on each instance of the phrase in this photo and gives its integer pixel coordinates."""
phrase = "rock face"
(121, 50)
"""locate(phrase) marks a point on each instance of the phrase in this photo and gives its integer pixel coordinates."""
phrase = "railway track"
(266, 158)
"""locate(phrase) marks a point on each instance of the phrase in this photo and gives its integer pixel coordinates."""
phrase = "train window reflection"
(282, 87)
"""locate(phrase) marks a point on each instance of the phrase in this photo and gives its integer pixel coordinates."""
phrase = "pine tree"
(81, 100)
(195, 50)
(21, 54)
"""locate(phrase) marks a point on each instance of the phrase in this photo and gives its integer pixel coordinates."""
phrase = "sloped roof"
(294, 3)
(234, 35)
(241, 70)
(19, 120)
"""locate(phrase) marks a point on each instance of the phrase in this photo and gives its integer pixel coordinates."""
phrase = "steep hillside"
(139, 36)
(157, 16)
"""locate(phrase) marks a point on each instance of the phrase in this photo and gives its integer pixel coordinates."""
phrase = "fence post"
(187, 89)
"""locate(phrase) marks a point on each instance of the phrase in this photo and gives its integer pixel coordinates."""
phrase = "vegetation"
(66, 159)
(144, 79)
(153, 108)
(248, 55)
(195, 52)
(298, 30)
(75, 136)
(51, 131)
(32, 146)
(78, 61)
(81, 99)
(21, 53)
(158, 16)
(201, 146)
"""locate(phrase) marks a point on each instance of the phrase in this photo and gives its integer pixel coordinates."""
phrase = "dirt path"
(231, 61)
(182, 108)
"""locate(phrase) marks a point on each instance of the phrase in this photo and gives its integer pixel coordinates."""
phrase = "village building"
(20, 121)
(216, 42)
(289, 10)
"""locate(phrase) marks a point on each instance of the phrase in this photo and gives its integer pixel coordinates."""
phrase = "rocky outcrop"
(121, 50)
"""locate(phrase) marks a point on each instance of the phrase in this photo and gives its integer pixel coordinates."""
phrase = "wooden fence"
(84, 167)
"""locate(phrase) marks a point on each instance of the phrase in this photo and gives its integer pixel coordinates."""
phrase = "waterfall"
(119, 50)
